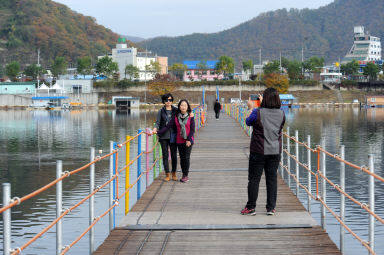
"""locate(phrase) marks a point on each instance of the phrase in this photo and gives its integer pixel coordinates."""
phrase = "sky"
(151, 18)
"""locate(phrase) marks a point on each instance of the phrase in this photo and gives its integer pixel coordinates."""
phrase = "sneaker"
(184, 179)
(271, 212)
(247, 211)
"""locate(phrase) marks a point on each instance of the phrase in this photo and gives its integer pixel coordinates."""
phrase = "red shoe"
(184, 179)
(250, 212)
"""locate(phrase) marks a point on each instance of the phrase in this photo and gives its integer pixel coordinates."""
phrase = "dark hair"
(189, 110)
(271, 99)
(166, 96)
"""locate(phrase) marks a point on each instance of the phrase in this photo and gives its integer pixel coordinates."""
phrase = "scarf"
(183, 122)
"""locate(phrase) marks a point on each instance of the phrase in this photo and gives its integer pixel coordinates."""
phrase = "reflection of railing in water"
(112, 182)
(240, 113)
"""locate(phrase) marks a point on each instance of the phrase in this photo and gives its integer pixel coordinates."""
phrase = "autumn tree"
(59, 66)
(84, 65)
(12, 70)
(225, 65)
(178, 70)
(162, 84)
(132, 72)
(277, 81)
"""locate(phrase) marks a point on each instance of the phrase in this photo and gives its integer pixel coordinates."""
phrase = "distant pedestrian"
(167, 139)
(265, 149)
(217, 108)
(184, 126)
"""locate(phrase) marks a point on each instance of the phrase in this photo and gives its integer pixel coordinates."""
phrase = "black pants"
(258, 162)
(164, 148)
(185, 155)
(217, 114)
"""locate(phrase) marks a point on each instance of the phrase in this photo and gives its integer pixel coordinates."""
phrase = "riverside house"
(13, 88)
(199, 70)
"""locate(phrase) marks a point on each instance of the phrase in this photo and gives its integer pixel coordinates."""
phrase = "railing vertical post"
(139, 165)
(59, 204)
(309, 179)
(297, 163)
(111, 185)
(91, 200)
(288, 158)
(147, 156)
(282, 156)
(323, 184)
(342, 198)
(127, 161)
(371, 187)
(154, 155)
(6, 219)
(160, 159)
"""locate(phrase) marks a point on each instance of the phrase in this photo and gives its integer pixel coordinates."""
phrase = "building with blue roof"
(198, 70)
(287, 100)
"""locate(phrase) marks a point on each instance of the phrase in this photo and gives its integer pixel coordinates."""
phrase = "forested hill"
(325, 32)
(26, 25)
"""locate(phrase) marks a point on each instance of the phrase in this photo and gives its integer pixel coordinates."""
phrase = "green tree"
(12, 70)
(371, 71)
(84, 65)
(59, 66)
(178, 70)
(106, 66)
(294, 69)
(285, 62)
(2, 71)
(350, 68)
(33, 71)
(225, 65)
(153, 68)
(272, 67)
(132, 72)
(248, 65)
(314, 64)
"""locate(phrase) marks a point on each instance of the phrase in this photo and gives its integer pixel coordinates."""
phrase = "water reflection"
(30, 144)
(361, 131)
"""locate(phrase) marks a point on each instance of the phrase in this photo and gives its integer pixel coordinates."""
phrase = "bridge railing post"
(282, 157)
(371, 187)
(139, 165)
(91, 200)
(127, 161)
(323, 184)
(288, 158)
(59, 204)
(147, 130)
(110, 185)
(309, 176)
(342, 198)
(297, 163)
(6, 219)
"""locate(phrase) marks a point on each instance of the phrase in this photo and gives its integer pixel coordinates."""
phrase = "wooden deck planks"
(215, 195)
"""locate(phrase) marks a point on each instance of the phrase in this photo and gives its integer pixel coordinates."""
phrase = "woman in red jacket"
(184, 125)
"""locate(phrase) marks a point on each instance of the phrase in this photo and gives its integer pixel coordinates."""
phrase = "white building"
(365, 47)
(124, 56)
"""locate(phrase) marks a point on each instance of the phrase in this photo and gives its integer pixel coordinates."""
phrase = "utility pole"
(280, 62)
(240, 87)
(302, 60)
(145, 76)
(260, 56)
(38, 65)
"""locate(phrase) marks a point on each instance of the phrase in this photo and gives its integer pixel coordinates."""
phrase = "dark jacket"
(162, 121)
(217, 107)
(175, 126)
(267, 130)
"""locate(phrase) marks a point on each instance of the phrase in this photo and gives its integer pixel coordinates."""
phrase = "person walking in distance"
(167, 139)
(267, 122)
(184, 125)
(217, 108)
